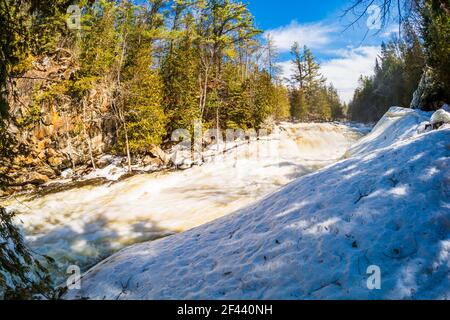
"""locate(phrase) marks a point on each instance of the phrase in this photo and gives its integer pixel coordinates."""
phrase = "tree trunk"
(127, 145)
(88, 136)
(204, 92)
(217, 128)
(120, 108)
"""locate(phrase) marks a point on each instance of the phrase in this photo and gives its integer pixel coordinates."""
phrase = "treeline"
(166, 63)
(420, 55)
(311, 99)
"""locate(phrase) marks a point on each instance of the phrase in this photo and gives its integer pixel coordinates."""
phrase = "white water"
(82, 226)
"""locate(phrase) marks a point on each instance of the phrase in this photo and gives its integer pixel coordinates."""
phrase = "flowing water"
(84, 225)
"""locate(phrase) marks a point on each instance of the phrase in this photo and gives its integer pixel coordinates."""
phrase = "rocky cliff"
(51, 130)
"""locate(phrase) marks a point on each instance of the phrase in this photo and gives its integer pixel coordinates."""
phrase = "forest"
(421, 51)
(165, 65)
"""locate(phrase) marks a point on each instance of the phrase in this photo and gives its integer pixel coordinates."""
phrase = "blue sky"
(274, 13)
(343, 55)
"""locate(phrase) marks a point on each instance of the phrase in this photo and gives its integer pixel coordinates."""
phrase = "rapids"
(82, 226)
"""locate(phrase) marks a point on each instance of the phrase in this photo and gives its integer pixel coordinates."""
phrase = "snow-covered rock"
(388, 206)
(66, 174)
(440, 116)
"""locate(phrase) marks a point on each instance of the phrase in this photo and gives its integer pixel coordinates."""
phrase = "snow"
(386, 205)
(396, 125)
(440, 116)
(85, 225)
(112, 172)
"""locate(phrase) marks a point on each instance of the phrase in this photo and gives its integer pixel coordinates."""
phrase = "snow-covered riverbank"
(84, 225)
(387, 206)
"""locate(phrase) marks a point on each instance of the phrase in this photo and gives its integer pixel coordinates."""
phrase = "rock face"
(52, 131)
(50, 136)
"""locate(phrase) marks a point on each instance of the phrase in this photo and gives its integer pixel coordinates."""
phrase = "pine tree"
(336, 108)
(436, 33)
(300, 73)
(280, 103)
(139, 106)
(179, 70)
(142, 99)
(263, 99)
(223, 24)
(299, 105)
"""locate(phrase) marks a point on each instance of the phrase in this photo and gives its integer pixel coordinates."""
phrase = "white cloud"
(345, 70)
(390, 30)
(286, 69)
(314, 35)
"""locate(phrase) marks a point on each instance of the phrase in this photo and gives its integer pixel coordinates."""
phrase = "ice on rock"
(440, 116)
(66, 174)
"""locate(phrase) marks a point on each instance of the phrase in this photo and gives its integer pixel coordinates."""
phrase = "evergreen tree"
(396, 76)
(280, 103)
(180, 74)
(141, 87)
(263, 104)
(310, 97)
(436, 33)
(299, 106)
(300, 72)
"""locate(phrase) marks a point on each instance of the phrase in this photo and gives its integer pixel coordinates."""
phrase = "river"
(82, 226)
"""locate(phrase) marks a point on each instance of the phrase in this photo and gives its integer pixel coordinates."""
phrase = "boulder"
(157, 152)
(150, 161)
(102, 162)
(67, 174)
(47, 171)
(34, 178)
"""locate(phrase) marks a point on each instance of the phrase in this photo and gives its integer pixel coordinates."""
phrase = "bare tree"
(389, 11)
(392, 10)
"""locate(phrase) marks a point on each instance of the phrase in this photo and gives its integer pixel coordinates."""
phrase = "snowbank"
(387, 205)
(396, 125)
